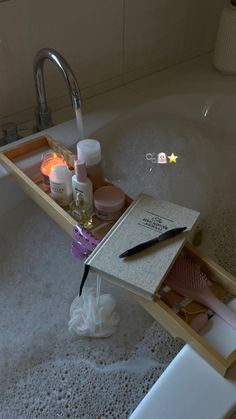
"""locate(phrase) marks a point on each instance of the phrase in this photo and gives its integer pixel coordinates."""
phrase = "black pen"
(164, 236)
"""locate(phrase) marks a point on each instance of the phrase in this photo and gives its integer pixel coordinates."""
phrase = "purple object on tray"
(85, 243)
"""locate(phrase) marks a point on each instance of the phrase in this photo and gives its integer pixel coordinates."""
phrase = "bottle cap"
(79, 198)
(89, 151)
(60, 174)
(80, 171)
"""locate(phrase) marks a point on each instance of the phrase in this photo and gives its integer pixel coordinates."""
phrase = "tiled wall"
(106, 42)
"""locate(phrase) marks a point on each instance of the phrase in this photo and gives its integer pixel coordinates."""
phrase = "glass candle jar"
(49, 161)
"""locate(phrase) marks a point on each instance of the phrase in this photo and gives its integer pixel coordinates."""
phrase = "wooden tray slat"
(25, 148)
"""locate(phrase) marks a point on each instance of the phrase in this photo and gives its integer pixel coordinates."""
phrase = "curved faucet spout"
(43, 114)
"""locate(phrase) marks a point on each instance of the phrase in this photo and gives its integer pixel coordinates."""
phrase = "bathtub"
(200, 131)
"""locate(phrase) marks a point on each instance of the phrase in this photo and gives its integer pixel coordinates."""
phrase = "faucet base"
(43, 119)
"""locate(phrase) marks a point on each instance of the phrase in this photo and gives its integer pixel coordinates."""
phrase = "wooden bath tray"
(33, 184)
(165, 315)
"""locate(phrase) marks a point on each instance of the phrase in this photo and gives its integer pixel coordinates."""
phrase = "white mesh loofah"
(93, 315)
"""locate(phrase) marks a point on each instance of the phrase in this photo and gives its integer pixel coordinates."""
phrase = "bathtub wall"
(107, 43)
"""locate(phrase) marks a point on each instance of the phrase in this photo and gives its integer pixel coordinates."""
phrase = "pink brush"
(187, 279)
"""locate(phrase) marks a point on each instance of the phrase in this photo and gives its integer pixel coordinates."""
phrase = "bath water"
(79, 120)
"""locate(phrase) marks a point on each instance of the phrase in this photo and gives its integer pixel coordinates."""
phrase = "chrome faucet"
(43, 113)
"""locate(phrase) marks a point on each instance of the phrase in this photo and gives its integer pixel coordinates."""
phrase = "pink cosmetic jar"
(109, 203)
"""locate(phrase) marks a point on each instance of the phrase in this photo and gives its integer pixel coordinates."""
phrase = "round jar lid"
(109, 199)
(90, 151)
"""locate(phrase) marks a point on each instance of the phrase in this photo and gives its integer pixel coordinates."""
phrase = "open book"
(145, 219)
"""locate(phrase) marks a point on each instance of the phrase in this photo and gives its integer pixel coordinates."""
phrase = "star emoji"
(172, 158)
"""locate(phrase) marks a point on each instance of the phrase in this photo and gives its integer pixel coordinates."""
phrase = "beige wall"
(106, 42)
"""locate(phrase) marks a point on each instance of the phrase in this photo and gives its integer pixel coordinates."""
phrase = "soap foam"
(74, 387)
(49, 372)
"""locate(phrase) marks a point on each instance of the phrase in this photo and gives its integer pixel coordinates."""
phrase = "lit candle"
(50, 160)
